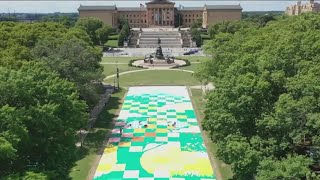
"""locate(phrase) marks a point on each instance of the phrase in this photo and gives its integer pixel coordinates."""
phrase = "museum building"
(162, 13)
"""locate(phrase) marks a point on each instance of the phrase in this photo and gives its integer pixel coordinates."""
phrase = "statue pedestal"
(160, 64)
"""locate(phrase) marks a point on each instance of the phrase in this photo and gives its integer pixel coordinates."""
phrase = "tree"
(103, 34)
(90, 25)
(292, 167)
(124, 33)
(40, 113)
(76, 61)
(196, 36)
(197, 24)
(265, 107)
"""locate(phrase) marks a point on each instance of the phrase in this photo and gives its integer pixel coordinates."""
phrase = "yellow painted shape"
(151, 126)
(152, 119)
(170, 157)
(124, 144)
(164, 130)
(110, 149)
(143, 110)
(152, 107)
(108, 160)
(181, 117)
(104, 167)
(139, 130)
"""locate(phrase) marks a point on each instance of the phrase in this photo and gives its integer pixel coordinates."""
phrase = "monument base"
(163, 64)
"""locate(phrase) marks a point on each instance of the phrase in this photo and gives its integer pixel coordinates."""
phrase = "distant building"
(299, 8)
(162, 13)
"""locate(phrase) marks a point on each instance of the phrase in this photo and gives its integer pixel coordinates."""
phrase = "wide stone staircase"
(149, 39)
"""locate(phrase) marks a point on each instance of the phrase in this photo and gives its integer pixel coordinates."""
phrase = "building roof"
(191, 9)
(131, 8)
(160, 2)
(222, 7)
(94, 8)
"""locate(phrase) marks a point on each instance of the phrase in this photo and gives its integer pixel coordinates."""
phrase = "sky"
(72, 6)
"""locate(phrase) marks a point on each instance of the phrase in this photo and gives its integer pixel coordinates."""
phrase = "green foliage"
(76, 61)
(40, 113)
(124, 33)
(45, 70)
(196, 36)
(292, 167)
(230, 27)
(196, 24)
(90, 25)
(266, 103)
(103, 34)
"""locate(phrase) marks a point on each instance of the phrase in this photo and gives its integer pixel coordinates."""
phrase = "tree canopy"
(264, 112)
(50, 77)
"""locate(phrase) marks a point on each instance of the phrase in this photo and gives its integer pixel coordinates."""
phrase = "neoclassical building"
(162, 13)
(299, 8)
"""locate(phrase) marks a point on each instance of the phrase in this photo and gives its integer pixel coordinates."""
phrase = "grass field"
(112, 43)
(195, 58)
(94, 140)
(114, 37)
(109, 69)
(118, 59)
(199, 103)
(157, 77)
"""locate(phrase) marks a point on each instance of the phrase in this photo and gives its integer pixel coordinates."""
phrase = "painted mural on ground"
(156, 136)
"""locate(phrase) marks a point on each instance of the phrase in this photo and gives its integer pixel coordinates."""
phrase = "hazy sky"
(71, 6)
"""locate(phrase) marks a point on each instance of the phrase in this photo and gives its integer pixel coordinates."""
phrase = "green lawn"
(94, 140)
(156, 77)
(223, 169)
(195, 58)
(109, 69)
(119, 59)
(112, 43)
(192, 67)
(114, 37)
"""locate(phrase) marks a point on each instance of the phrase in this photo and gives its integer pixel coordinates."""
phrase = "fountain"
(159, 54)
(159, 60)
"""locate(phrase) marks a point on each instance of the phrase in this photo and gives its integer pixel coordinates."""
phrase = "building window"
(185, 20)
(127, 15)
(197, 15)
(130, 20)
(189, 15)
(189, 20)
(134, 15)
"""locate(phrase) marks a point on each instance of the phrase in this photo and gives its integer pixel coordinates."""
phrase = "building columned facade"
(162, 13)
(299, 8)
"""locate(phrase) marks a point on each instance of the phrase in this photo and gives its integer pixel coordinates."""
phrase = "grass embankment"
(95, 139)
(221, 168)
